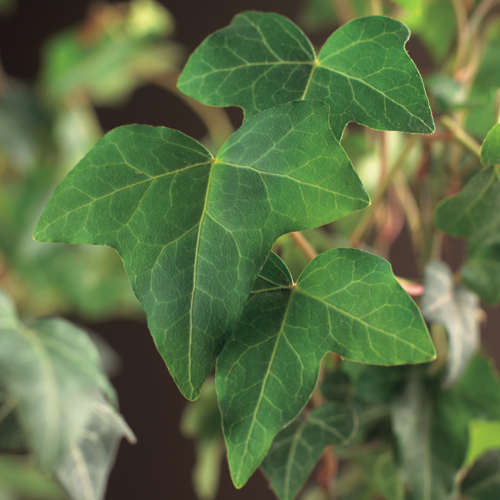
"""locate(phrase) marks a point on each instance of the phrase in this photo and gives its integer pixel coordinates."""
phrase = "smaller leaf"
(84, 472)
(475, 211)
(53, 370)
(490, 150)
(481, 271)
(483, 480)
(346, 301)
(297, 448)
(456, 309)
(483, 436)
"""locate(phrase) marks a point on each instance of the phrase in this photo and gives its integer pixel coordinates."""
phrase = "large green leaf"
(53, 370)
(194, 231)
(456, 309)
(483, 480)
(475, 211)
(297, 448)
(84, 472)
(431, 427)
(362, 72)
(346, 301)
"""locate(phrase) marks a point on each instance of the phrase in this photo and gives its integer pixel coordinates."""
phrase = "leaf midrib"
(264, 384)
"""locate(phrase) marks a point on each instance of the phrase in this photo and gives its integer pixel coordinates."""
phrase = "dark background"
(159, 466)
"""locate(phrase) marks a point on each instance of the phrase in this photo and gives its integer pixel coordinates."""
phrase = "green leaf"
(19, 478)
(346, 301)
(481, 271)
(53, 371)
(474, 212)
(490, 150)
(362, 72)
(483, 436)
(298, 447)
(382, 473)
(194, 231)
(84, 472)
(483, 480)
(431, 427)
(457, 310)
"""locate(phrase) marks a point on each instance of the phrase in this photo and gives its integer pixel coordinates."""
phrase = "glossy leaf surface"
(457, 310)
(475, 211)
(194, 231)
(362, 72)
(84, 472)
(346, 301)
(297, 448)
(53, 370)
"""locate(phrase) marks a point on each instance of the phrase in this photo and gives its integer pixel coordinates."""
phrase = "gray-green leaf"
(362, 72)
(84, 472)
(53, 371)
(346, 301)
(193, 230)
(298, 447)
(457, 310)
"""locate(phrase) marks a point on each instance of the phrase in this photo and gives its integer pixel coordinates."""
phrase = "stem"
(461, 136)
(305, 247)
(463, 33)
(367, 219)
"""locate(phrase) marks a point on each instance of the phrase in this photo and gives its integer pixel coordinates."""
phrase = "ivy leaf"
(431, 425)
(481, 271)
(362, 72)
(194, 231)
(456, 309)
(53, 370)
(483, 436)
(483, 480)
(474, 212)
(346, 301)
(297, 448)
(84, 472)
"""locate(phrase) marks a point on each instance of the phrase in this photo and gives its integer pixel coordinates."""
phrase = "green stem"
(461, 136)
(359, 231)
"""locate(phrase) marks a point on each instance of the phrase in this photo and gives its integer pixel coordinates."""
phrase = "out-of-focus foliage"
(47, 127)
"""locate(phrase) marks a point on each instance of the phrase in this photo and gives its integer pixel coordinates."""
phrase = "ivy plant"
(333, 363)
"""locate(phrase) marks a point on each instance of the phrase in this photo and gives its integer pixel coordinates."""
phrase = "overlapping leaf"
(456, 309)
(346, 301)
(431, 427)
(475, 212)
(194, 231)
(53, 371)
(362, 72)
(484, 435)
(297, 448)
(84, 472)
